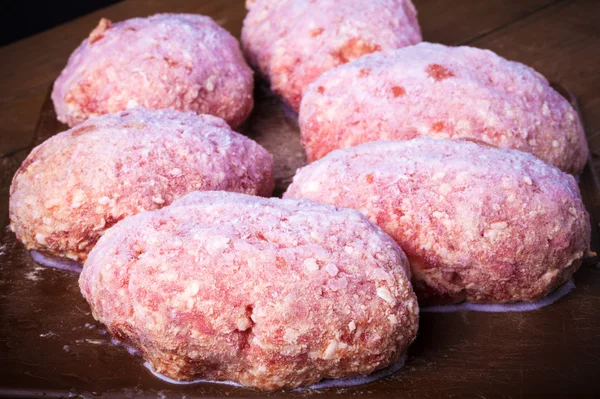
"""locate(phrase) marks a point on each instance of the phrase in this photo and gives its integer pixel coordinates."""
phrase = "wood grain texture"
(552, 351)
(50, 343)
(456, 22)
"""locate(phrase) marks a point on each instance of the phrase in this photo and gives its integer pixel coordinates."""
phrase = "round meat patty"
(292, 42)
(269, 293)
(443, 92)
(178, 61)
(477, 223)
(75, 185)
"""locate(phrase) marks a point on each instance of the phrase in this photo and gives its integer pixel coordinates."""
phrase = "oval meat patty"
(75, 185)
(443, 92)
(269, 293)
(292, 42)
(477, 222)
(178, 61)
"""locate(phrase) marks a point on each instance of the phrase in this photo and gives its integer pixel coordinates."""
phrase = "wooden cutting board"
(51, 345)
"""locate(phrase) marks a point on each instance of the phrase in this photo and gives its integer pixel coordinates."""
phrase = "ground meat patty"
(292, 42)
(444, 92)
(477, 222)
(269, 293)
(74, 186)
(178, 61)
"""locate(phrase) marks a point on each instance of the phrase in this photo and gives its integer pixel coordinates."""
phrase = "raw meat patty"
(74, 186)
(179, 61)
(444, 92)
(292, 42)
(477, 222)
(269, 293)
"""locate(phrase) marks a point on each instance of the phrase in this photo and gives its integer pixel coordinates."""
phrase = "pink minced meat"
(178, 61)
(292, 42)
(269, 293)
(477, 223)
(75, 185)
(444, 92)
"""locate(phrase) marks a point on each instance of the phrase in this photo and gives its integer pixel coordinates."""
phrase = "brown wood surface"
(50, 344)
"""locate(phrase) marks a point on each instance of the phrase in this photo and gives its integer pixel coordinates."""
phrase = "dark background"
(24, 18)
